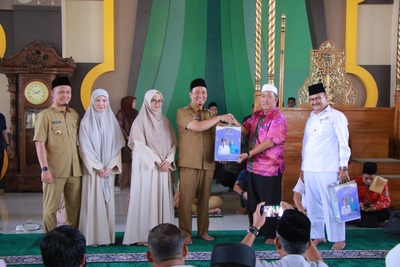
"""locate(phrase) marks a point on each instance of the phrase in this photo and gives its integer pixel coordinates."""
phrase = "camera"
(272, 210)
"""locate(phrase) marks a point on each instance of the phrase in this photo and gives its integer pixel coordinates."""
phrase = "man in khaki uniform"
(196, 130)
(56, 147)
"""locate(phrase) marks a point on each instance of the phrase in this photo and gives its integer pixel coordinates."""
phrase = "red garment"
(378, 201)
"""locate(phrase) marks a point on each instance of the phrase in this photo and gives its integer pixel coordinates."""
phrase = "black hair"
(63, 246)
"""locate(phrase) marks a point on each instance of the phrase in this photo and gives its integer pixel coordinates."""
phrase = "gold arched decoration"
(5, 165)
(108, 64)
(351, 53)
(2, 41)
(2, 52)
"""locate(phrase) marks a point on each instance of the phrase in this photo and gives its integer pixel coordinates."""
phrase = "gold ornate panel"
(327, 65)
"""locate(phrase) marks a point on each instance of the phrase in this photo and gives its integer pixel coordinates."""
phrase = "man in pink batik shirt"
(267, 130)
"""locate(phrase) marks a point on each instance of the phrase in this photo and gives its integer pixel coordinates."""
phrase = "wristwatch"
(248, 154)
(45, 168)
(344, 168)
(253, 230)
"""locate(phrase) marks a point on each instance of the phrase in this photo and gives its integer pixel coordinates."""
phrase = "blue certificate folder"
(227, 143)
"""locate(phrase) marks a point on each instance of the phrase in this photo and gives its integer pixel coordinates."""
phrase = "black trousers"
(267, 189)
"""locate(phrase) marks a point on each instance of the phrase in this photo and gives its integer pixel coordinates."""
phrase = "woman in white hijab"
(100, 142)
(153, 142)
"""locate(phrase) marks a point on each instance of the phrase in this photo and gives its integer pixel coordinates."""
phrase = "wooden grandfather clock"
(30, 73)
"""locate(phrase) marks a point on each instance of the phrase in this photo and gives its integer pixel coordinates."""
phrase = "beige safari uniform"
(59, 133)
(196, 168)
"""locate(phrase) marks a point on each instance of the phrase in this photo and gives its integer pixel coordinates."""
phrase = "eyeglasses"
(155, 101)
(317, 98)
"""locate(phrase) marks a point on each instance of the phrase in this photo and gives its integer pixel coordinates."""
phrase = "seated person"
(292, 240)
(233, 254)
(299, 196)
(291, 102)
(166, 246)
(226, 173)
(213, 108)
(214, 203)
(240, 187)
(63, 246)
(374, 198)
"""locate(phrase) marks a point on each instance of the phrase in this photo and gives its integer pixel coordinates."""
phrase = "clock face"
(36, 93)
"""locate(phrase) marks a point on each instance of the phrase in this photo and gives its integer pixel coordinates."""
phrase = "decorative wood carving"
(327, 66)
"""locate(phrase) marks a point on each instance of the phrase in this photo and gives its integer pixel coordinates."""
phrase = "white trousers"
(319, 210)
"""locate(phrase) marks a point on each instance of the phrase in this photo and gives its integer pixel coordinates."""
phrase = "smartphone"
(367, 204)
(272, 210)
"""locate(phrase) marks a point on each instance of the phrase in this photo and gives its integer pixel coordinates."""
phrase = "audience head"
(232, 255)
(213, 107)
(293, 232)
(166, 245)
(369, 172)
(291, 102)
(63, 246)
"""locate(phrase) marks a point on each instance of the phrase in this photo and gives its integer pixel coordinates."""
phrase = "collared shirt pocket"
(57, 130)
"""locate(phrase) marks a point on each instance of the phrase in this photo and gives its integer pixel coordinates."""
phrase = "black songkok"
(294, 226)
(197, 82)
(370, 168)
(235, 254)
(60, 81)
(316, 89)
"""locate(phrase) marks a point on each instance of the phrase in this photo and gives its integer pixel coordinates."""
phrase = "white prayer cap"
(269, 87)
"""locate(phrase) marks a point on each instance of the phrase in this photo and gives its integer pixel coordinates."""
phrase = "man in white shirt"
(325, 156)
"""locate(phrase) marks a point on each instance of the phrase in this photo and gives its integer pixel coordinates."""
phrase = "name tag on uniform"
(56, 122)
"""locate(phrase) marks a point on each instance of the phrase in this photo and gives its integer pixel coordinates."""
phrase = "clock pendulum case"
(30, 73)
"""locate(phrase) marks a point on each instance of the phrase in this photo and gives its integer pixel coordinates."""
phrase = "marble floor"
(26, 208)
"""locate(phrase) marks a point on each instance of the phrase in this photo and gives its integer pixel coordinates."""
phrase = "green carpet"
(365, 247)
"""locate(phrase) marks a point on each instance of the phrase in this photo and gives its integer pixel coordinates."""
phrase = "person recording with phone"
(292, 239)
(374, 199)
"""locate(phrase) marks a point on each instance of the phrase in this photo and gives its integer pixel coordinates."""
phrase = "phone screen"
(272, 210)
